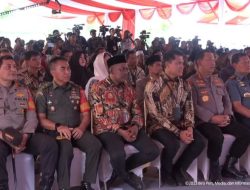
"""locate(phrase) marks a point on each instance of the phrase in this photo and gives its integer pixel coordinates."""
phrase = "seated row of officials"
(172, 104)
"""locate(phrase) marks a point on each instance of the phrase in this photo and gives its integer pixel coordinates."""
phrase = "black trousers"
(38, 144)
(89, 144)
(214, 135)
(114, 145)
(171, 145)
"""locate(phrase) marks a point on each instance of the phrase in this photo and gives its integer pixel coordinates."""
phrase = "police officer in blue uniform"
(215, 117)
(239, 88)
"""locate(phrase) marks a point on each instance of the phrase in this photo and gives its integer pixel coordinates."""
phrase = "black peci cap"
(116, 60)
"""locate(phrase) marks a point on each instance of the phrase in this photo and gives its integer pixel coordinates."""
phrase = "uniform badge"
(19, 94)
(205, 98)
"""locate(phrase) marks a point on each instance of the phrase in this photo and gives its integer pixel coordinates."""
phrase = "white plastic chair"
(25, 172)
(203, 161)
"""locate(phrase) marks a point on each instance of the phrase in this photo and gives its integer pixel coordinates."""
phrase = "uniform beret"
(116, 60)
(152, 59)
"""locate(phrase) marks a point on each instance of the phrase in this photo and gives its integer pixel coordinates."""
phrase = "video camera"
(195, 41)
(118, 30)
(77, 27)
(103, 29)
(175, 42)
(54, 37)
(144, 35)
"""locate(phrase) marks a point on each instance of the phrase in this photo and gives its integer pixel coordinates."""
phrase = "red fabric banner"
(91, 19)
(209, 6)
(114, 16)
(164, 13)
(128, 22)
(150, 3)
(237, 6)
(98, 5)
(185, 8)
(147, 13)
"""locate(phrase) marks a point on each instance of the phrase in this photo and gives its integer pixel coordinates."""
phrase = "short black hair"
(64, 51)
(54, 60)
(201, 53)
(6, 57)
(236, 57)
(170, 55)
(29, 54)
(157, 50)
(128, 53)
(4, 50)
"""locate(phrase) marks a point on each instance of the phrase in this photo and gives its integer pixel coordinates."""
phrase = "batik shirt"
(114, 106)
(162, 96)
(134, 75)
(31, 81)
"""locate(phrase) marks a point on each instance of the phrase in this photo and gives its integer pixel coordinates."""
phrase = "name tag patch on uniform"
(23, 104)
(200, 83)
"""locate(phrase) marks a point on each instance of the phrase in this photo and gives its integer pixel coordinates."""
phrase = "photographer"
(127, 41)
(71, 43)
(80, 40)
(94, 42)
(143, 38)
(112, 40)
(173, 43)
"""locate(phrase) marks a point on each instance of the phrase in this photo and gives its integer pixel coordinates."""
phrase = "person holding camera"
(64, 114)
(71, 43)
(112, 40)
(18, 124)
(94, 42)
(127, 41)
(80, 40)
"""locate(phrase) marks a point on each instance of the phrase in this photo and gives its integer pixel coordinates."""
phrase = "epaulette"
(44, 89)
(217, 80)
(74, 84)
(46, 85)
